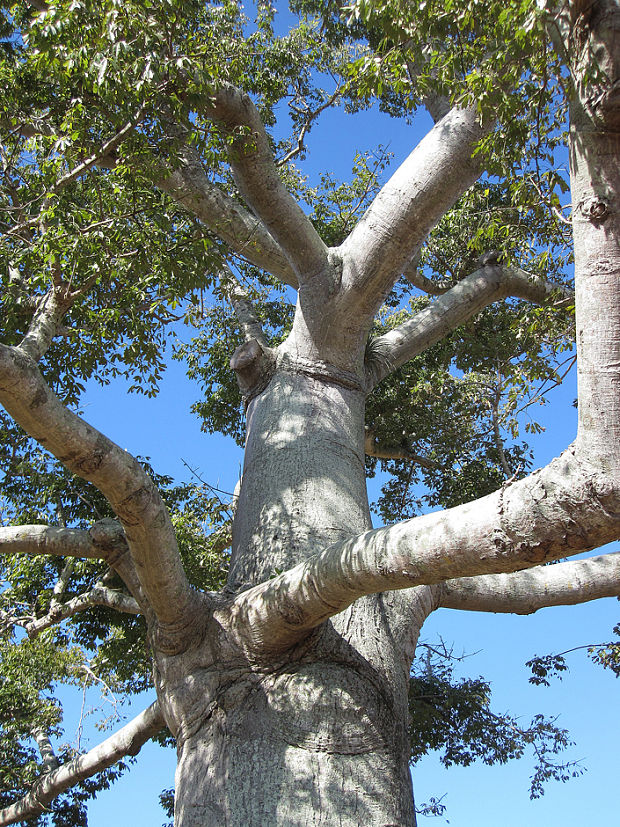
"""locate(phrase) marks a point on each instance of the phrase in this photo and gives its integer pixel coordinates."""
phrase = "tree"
(143, 170)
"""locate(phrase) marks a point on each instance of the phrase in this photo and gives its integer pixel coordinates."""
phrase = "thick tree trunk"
(317, 736)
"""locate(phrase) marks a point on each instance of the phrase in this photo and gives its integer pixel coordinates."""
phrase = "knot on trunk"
(254, 365)
(595, 209)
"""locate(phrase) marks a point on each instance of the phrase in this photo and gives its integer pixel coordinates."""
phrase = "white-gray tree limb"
(481, 288)
(524, 592)
(127, 741)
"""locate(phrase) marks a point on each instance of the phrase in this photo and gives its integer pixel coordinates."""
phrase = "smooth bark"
(563, 584)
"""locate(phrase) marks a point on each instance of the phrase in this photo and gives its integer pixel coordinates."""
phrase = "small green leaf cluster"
(453, 716)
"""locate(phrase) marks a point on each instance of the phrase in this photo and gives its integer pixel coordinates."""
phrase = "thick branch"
(104, 540)
(486, 285)
(119, 476)
(97, 596)
(48, 756)
(127, 741)
(438, 171)
(562, 510)
(44, 324)
(245, 234)
(61, 542)
(260, 183)
(524, 592)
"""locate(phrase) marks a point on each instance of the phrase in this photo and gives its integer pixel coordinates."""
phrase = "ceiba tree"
(140, 169)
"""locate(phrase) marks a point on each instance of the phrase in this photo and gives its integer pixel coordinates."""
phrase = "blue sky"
(585, 701)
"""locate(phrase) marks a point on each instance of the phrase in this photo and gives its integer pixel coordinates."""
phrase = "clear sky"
(585, 701)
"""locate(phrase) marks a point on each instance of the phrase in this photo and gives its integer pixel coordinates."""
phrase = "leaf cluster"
(453, 716)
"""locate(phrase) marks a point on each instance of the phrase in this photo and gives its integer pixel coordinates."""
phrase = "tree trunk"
(317, 736)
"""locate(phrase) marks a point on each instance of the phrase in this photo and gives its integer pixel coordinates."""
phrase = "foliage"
(453, 716)
(545, 667)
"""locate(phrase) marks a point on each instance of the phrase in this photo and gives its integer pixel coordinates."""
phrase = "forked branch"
(99, 595)
(438, 171)
(104, 540)
(119, 476)
(244, 233)
(260, 183)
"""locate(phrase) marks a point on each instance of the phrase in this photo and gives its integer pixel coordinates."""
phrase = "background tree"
(149, 181)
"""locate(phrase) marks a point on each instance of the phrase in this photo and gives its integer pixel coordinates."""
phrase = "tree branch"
(127, 741)
(97, 596)
(311, 116)
(241, 304)
(103, 542)
(245, 234)
(48, 756)
(120, 478)
(564, 509)
(372, 448)
(524, 592)
(260, 183)
(438, 171)
(486, 285)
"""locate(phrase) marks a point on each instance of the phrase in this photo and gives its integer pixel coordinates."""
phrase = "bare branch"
(127, 741)
(524, 592)
(486, 285)
(97, 596)
(104, 540)
(44, 325)
(63, 542)
(260, 183)
(564, 509)
(311, 116)
(122, 480)
(417, 279)
(60, 586)
(438, 171)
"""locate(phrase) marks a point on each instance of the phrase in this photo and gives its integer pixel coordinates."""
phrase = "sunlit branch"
(127, 741)
(438, 171)
(564, 509)
(104, 540)
(259, 181)
(243, 232)
(61, 542)
(97, 596)
(524, 592)
(48, 756)
(486, 285)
